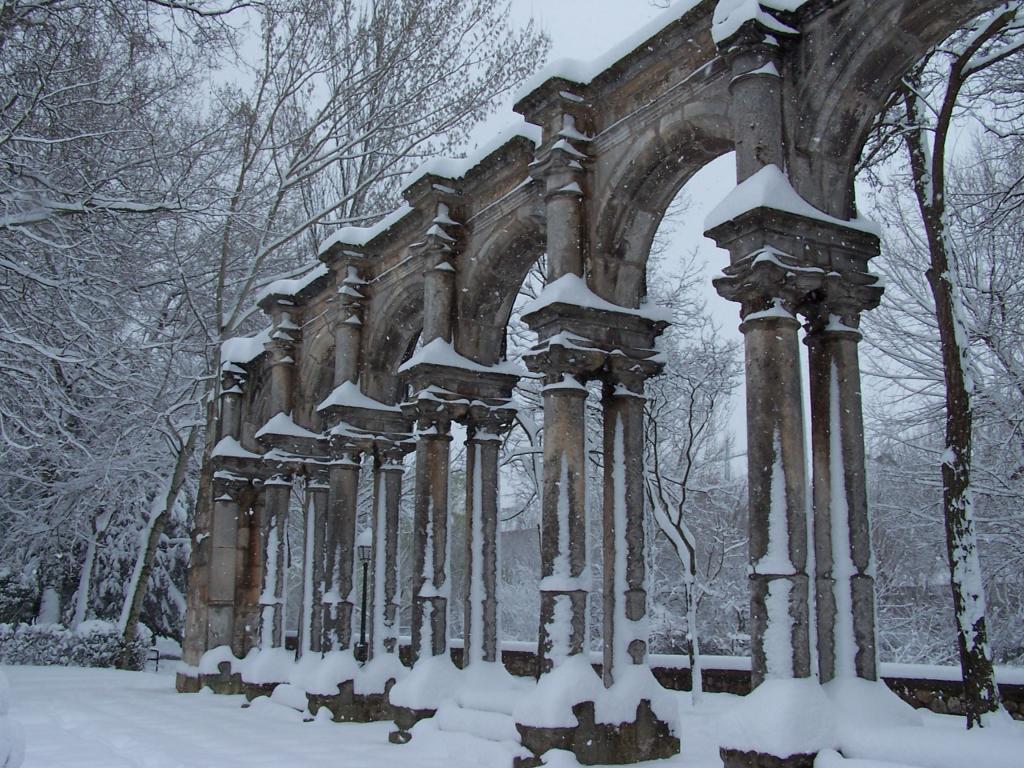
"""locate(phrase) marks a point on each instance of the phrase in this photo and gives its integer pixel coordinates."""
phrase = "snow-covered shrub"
(92, 644)
(17, 597)
(12, 745)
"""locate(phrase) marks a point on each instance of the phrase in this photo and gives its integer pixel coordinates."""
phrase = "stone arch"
(851, 59)
(639, 189)
(489, 282)
(315, 375)
(393, 322)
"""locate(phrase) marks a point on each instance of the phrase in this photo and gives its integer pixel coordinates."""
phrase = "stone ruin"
(398, 333)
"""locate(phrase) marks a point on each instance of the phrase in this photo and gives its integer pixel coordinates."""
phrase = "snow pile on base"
(282, 424)
(568, 684)
(12, 743)
(489, 686)
(862, 703)
(209, 662)
(430, 682)
(770, 188)
(441, 352)
(270, 665)
(291, 696)
(781, 718)
(323, 674)
(349, 395)
(573, 289)
(633, 684)
(373, 676)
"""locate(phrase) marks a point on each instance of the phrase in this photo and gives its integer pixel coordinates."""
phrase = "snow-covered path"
(100, 718)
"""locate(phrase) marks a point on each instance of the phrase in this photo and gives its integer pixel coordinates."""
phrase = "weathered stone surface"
(645, 738)
(732, 758)
(405, 718)
(346, 706)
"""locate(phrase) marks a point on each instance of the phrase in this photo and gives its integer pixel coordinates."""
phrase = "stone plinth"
(593, 743)
(405, 718)
(347, 706)
(733, 758)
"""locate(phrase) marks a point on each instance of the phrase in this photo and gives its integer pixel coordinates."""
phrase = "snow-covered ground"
(99, 718)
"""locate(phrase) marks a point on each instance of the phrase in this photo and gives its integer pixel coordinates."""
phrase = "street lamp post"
(364, 549)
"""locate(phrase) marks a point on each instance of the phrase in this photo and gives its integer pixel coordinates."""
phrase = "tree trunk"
(981, 696)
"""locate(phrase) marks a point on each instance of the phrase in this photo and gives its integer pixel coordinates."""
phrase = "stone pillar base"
(593, 743)
(187, 683)
(223, 682)
(405, 718)
(226, 683)
(347, 706)
(734, 758)
(255, 690)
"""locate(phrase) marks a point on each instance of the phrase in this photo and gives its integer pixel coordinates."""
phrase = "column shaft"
(564, 583)
(347, 340)
(845, 584)
(481, 609)
(339, 554)
(438, 298)
(311, 620)
(625, 567)
(778, 515)
(223, 555)
(249, 579)
(387, 492)
(272, 598)
(564, 217)
(430, 587)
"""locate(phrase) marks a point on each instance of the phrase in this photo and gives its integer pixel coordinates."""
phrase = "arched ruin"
(793, 87)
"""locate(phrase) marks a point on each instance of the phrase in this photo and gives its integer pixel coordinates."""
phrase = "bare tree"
(922, 118)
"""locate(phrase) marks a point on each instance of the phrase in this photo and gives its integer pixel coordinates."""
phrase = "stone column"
(755, 93)
(231, 406)
(565, 577)
(249, 575)
(561, 169)
(315, 517)
(845, 583)
(280, 352)
(223, 555)
(778, 512)
(625, 567)
(278, 493)
(438, 296)
(430, 587)
(482, 641)
(339, 552)
(385, 603)
(348, 329)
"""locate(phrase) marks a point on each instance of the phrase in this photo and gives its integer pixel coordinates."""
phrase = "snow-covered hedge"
(91, 644)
